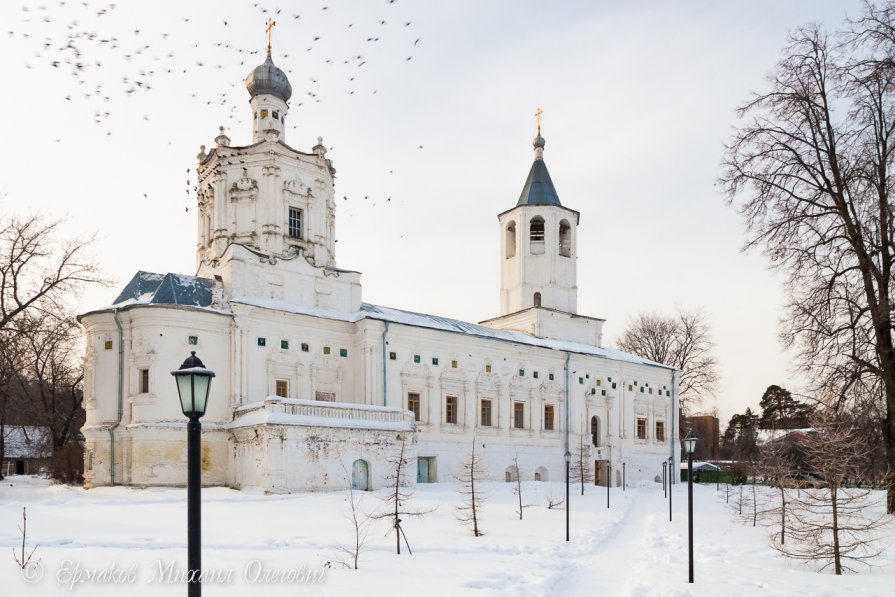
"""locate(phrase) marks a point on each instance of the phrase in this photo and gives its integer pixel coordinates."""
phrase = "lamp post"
(608, 480)
(689, 446)
(193, 385)
(568, 458)
(665, 479)
(670, 486)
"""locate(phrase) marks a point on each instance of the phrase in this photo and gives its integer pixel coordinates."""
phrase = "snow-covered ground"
(265, 545)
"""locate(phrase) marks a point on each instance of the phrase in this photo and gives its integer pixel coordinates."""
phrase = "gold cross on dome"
(270, 25)
(538, 114)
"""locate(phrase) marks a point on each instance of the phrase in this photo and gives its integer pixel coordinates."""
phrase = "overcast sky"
(638, 101)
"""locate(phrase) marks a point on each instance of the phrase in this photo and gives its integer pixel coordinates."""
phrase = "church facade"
(315, 389)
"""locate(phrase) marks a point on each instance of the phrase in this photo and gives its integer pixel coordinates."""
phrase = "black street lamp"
(689, 446)
(670, 486)
(568, 458)
(608, 480)
(193, 385)
(665, 478)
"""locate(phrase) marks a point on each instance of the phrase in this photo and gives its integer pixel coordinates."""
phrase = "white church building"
(315, 388)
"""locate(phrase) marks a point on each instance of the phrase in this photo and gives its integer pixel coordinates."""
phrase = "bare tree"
(580, 469)
(360, 521)
(745, 503)
(811, 173)
(518, 489)
(554, 502)
(395, 501)
(683, 341)
(38, 270)
(471, 473)
(777, 464)
(25, 557)
(833, 526)
(40, 273)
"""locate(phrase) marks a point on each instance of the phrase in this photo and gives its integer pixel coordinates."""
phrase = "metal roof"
(538, 189)
(166, 289)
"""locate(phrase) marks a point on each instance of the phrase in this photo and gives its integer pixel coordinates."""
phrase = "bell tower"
(538, 262)
(538, 245)
(266, 217)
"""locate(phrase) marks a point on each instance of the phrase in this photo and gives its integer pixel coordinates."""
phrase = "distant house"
(700, 468)
(26, 450)
(708, 433)
(797, 436)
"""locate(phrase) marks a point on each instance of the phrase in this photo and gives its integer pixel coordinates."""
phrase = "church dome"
(539, 142)
(267, 78)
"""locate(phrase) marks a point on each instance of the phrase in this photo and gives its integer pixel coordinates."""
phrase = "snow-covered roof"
(147, 288)
(166, 289)
(769, 435)
(446, 324)
(700, 466)
(26, 442)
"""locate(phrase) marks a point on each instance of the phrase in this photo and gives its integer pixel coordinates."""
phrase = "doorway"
(360, 476)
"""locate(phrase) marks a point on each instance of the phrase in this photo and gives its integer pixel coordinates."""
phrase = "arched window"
(595, 430)
(537, 299)
(536, 235)
(511, 240)
(510, 474)
(541, 474)
(565, 239)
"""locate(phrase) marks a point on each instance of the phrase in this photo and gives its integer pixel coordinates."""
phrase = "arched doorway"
(360, 475)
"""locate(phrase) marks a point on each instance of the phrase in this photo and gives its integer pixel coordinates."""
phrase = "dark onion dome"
(539, 142)
(268, 79)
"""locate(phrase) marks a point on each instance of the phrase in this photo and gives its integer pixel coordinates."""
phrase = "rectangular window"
(413, 405)
(486, 413)
(107, 345)
(660, 431)
(416, 358)
(282, 388)
(548, 417)
(284, 344)
(519, 415)
(262, 341)
(305, 347)
(343, 352)
(550, 377)
(641, 428)
(450, 409)
(294, 222)
(327, 350)
(453, 364)
(194, 340)
(144, 381)
(534, 374)
(487, 368)
(392, 356)
(434, 360)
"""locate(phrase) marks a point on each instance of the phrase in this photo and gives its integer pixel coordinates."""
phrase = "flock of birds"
(83, 41)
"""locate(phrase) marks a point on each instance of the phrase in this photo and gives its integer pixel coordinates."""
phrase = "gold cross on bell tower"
(538, 115)
(270, 25)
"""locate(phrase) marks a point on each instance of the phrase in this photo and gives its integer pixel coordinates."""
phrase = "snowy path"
(596, 558)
